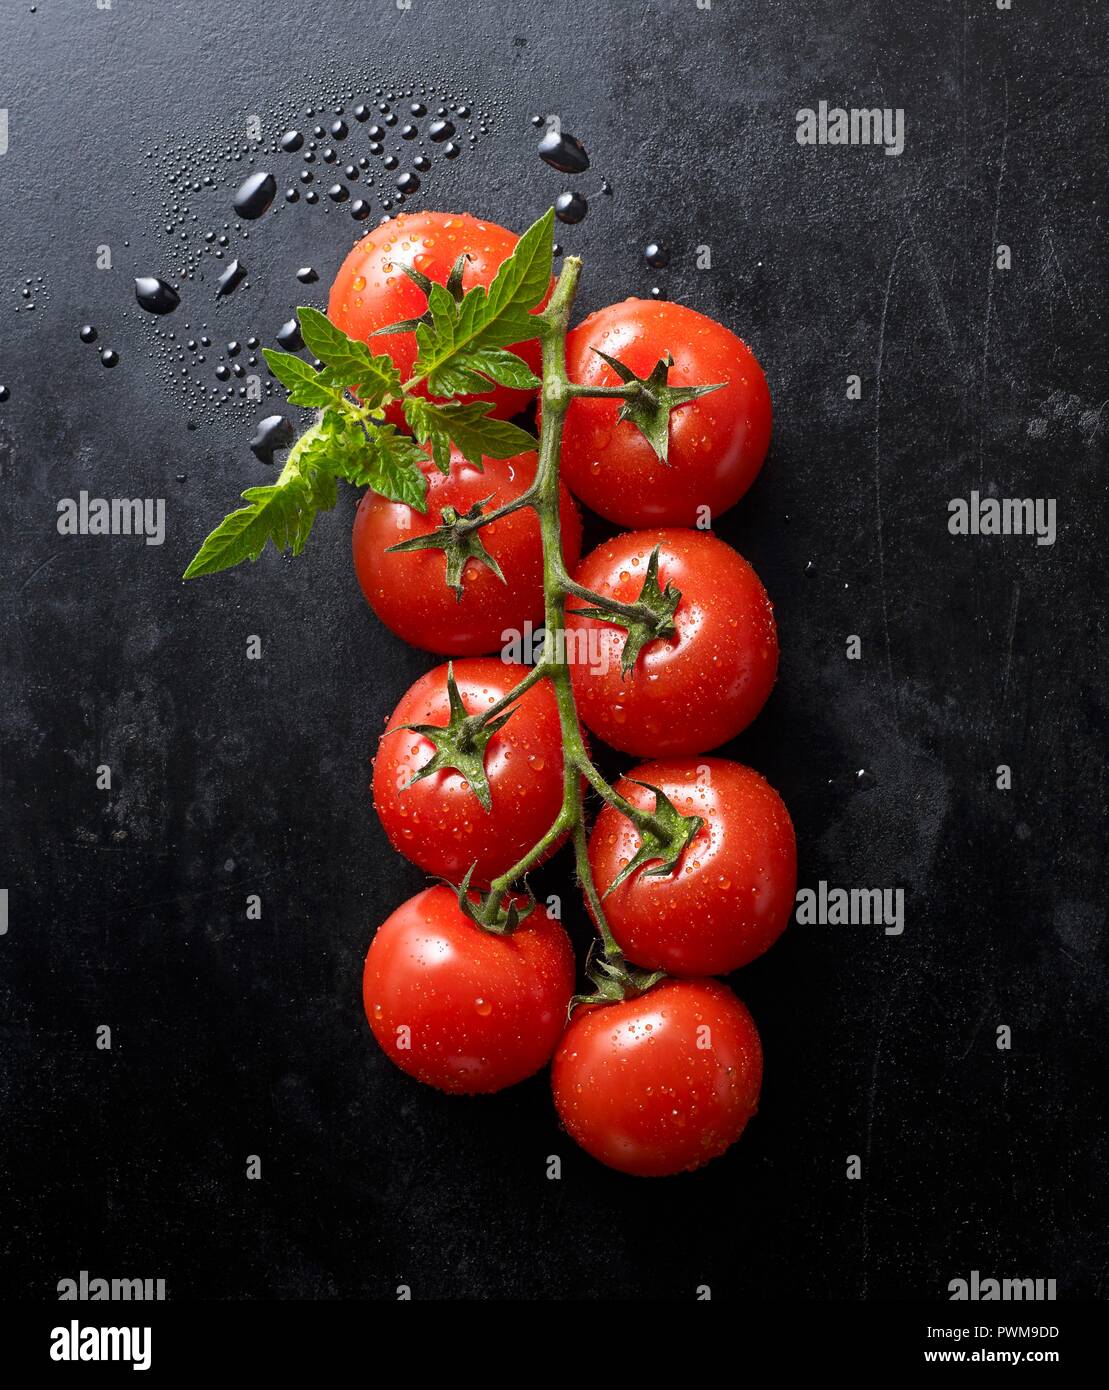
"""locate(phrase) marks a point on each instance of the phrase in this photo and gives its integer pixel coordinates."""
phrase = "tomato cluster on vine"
(689, 869)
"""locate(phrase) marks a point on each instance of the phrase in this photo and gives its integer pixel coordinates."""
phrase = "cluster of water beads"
(30, 292)
(380, 121)
(88, 334)
(402, 130)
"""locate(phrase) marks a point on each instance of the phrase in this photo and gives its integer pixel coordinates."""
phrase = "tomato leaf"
(304, 384)
(456, 337)
(391, 465)
(282, 513)
(349, 362)
(468, 424)
(337, 446)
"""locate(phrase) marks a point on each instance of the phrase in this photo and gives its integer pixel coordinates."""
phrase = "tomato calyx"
(459, 538)
(662, 841)
(460, 744)
(649, 401)
(613, 979)
(424, 282)
(490, 912)
(651, 617)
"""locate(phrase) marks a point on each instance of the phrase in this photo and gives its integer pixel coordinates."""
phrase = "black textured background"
(232, 777)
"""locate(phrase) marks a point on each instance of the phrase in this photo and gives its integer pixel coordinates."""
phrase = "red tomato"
(717, 442)
(439, 823)
(460, 1008)
(732, 892)
(371, 292)
(694, 690)
(659, 1084)
(408, 591)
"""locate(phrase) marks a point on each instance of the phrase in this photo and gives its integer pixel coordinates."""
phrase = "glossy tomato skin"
(717, 442)
(438, 822)
(481, 1011)
(732, 892)
(408, 591)
(643, 1087)
(690, 692)
(371, 291)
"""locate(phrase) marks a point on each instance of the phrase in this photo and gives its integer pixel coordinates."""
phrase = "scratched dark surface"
(233, 1037)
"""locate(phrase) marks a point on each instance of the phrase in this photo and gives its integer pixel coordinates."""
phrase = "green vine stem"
(557, 392)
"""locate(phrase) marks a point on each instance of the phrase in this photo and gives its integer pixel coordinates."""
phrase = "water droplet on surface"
(288, 336)
(87, 333)
(563, 152)
(438, 131)
(656, 255)
(338, 193)
(255, 195)
(231, 278)
(5, 394)
(155, 296)
(273, 433)
(291, 141)
(865, 780)
(307, 275)
(408, 183)
(109, 357)
(570, 207)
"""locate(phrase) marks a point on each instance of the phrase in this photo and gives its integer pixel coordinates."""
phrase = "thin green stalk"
(536, 674)
(555, 400)
(637, 612)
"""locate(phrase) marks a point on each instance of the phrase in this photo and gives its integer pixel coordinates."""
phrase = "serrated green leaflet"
(452, 344)
(349, 363)
(337, 446)
(282, 513)
(304, 384)
(467, 424)
(391, 465)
